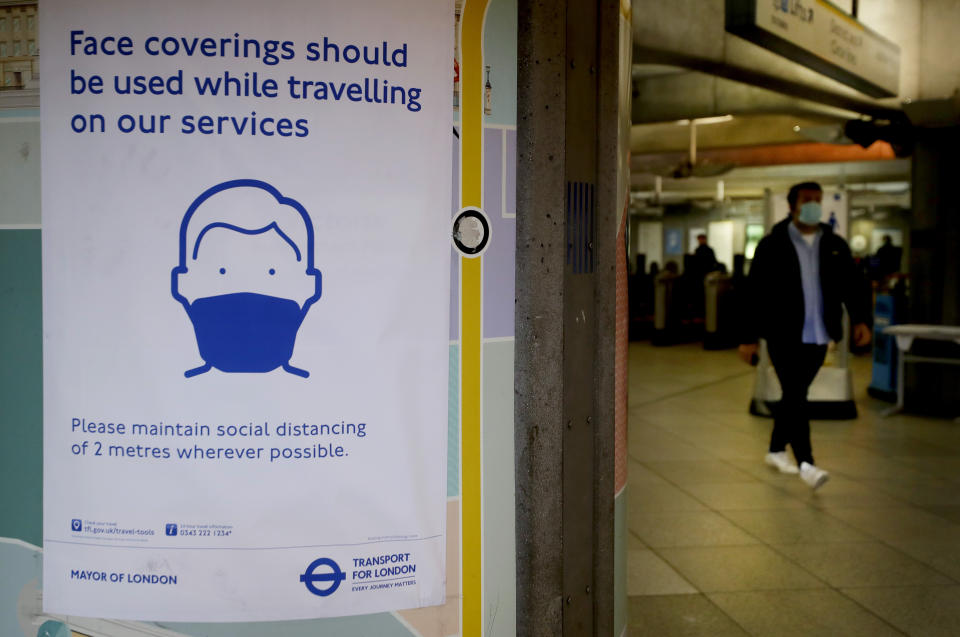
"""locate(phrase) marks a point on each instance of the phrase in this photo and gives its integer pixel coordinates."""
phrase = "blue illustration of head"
(246, 276)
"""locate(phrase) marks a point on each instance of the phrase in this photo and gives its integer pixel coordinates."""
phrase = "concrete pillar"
(565, 314)
(935, 260)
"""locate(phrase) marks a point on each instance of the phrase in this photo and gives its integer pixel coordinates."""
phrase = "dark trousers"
(796, 365)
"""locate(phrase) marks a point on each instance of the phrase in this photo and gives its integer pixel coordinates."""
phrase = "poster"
(246, 296)
(673, 242)
(836, 211)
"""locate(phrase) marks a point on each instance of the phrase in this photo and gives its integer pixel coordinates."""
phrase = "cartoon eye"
(272, 271)
(223, 270)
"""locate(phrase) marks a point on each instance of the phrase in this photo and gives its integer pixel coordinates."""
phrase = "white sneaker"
(781, 461)
(813, 476)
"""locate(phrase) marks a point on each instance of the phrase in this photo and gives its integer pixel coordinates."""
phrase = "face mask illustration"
(245, 332)
(246, 277)
(810, 213)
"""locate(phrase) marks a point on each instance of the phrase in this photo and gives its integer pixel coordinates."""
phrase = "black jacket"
(774, 297)
(704, 260)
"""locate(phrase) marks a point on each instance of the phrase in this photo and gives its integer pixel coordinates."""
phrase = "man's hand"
(747, 352)
(861, 335)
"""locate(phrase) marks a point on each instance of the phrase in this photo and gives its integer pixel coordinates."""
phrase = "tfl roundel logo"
(327, 580)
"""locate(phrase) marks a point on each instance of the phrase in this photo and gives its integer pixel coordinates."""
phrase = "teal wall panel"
(500, 54)
(21, 569)
(21, 382)
(499, 485)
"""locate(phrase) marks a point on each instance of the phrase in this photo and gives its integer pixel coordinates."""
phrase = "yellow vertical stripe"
(471, 321)
(471, 441)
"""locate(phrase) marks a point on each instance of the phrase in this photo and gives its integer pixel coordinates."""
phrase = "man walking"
(800, 276)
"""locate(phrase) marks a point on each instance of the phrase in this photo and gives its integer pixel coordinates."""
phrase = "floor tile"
(870, 466)
(687, 472)
(743, 496)
(942, 556)
(838, 492)
(942, 432)
(904, 523)
(647, 574)
(862, 564)
(843, 493)
(732, 445)
(948, 513)
(661, 408)
(738, 420)
(696, 431)
(918, 611)
(639, 475)
(656, 444)
(689, 528)
(655, 499)
(928, 492)
(705, 514)
(679, 616)
(801, 614)
(738, 568)
(906, 445)
(640, 395)
(944, 468)
(795, 526)
(827, 450)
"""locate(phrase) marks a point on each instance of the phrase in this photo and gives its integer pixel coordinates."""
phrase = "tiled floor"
(722, 545)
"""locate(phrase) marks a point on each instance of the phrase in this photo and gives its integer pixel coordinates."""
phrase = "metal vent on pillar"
(581, 226)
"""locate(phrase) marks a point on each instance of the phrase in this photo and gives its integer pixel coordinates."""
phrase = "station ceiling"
(746, 136)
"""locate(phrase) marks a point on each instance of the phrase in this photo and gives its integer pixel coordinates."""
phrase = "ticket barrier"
(666, 322)
(640, 285)
(720, 312)
(883, 384)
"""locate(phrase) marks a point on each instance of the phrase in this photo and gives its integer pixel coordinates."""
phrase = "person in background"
(802, 274)
(705, 261)
(888, 257)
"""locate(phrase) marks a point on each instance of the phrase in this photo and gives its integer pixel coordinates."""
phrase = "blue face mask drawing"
(810, 213)
(245, 332)
(246, 277)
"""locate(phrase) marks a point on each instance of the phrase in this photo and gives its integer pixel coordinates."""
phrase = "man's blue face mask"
(810, 213)
(245, 332)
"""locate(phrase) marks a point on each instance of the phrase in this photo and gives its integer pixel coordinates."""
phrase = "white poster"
(246, 296)
(720, 238)
(692, 235)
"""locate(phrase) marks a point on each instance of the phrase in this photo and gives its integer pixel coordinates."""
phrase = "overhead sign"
(820, 36)
(246, 296)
